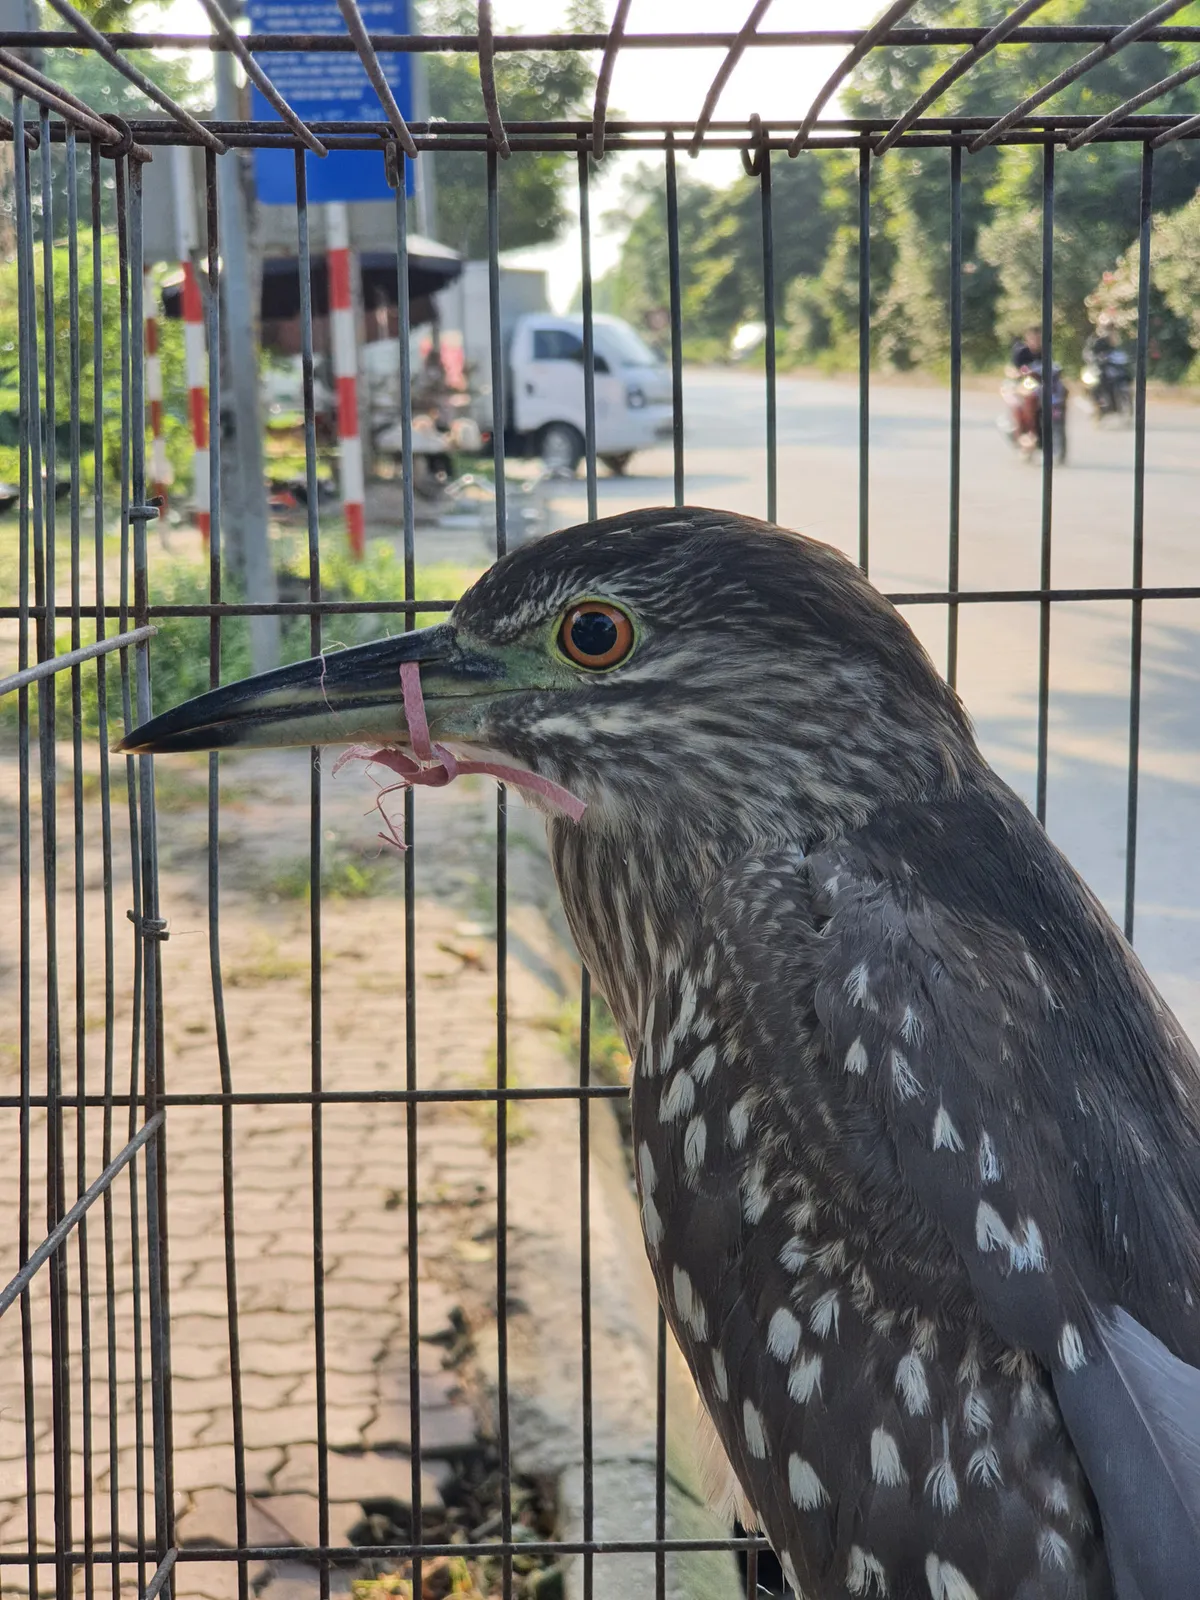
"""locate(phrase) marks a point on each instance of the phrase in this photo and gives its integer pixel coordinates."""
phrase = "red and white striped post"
(195, 347)
(160, 470)
(195, 343)
(345, 371)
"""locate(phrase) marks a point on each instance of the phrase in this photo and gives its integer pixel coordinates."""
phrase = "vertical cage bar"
(585, 986)
(411, 1125)
(864, 357)
(121, 176)
(1145, 233)
(589, 331)
(1047, 428)
(660, 1372)
(585, 1279)
(60, 1373)
(660, 1365)
(151, 928)
(314, 869)
(106, 848)
(212, 333)
(768, 267)
(29, 513)
(498, 422)
(956, 338)
(673, 272)
(81, 1179)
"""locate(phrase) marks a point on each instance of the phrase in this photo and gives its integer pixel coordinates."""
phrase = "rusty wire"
(1134, 103)
(616, 35)
(357, 30)
(1182, 130)
(24, 80)
(982, 47)
(100, 44)
(866, 43)
(232, 40)
(732, 56)
(487, 78)
(1110, 47)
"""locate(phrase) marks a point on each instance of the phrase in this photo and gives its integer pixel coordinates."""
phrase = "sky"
(774, 82)
(779, 82)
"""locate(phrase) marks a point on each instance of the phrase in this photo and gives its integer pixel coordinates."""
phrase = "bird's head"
(670, 668)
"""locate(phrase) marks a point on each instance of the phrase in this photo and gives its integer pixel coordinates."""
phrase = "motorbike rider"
(1026, 351)
(1023, 393)
(1101, 347)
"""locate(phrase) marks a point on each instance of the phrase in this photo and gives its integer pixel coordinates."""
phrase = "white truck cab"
(545, 391)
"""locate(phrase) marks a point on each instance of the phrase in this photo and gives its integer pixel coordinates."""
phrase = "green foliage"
(99, 85)
(531, 88)
(176, 428)
(720, 248)
(179, 652)
(1174, 344)
(816, 198)
(1096, 189)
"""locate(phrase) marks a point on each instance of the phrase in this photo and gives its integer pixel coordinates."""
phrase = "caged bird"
(917, 1142)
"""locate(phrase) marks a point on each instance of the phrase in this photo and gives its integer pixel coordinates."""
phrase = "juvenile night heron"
(917, 1142)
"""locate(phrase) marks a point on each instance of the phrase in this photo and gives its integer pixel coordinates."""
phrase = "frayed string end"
(434, 766)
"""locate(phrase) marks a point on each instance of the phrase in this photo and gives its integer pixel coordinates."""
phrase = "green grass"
(342, 877)
(179, 652)
(608, 1058)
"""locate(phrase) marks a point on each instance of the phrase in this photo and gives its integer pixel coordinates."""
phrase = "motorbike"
(1022, 394)
(1107, 382)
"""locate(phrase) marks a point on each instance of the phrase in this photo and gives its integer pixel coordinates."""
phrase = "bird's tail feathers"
(1134, 1416)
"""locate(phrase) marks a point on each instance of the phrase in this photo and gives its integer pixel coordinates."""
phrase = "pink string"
(435, 766)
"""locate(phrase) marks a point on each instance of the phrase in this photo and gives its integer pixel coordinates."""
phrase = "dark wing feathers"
(970, 1001)
(1134, 1416)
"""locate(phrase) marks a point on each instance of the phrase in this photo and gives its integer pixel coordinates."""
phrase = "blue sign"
(327, 86)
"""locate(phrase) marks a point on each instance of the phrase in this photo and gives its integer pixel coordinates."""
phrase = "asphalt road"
(1093, 512)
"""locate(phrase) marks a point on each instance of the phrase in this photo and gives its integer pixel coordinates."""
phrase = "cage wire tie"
(616, 34)
(391, 158)
(150, 927)
(487, 79)
(754, 153)
(123, 145)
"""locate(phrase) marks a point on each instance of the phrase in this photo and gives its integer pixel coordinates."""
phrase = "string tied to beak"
(434, 766)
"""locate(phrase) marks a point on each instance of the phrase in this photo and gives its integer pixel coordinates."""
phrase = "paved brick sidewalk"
(364, 1217)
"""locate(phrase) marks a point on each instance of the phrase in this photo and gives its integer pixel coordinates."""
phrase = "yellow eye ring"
(595, 634)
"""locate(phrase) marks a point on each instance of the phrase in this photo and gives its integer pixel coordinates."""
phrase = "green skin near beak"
(354, 696)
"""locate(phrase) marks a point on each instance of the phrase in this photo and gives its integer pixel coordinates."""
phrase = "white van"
(544, 391)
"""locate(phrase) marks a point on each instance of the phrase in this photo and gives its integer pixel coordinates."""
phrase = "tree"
(550, 85)
(720, 246)
(1174, 343)
(1096, 189)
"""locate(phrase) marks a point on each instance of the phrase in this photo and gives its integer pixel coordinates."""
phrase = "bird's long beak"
(348, 697)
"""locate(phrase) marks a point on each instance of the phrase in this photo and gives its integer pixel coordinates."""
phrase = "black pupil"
(593, 633)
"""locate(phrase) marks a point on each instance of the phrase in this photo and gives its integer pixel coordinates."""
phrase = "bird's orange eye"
(595, 635)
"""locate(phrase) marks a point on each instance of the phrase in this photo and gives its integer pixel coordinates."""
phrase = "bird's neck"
(629, 901)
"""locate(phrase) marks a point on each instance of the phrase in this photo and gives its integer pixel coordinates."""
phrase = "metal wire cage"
(90, 1386)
